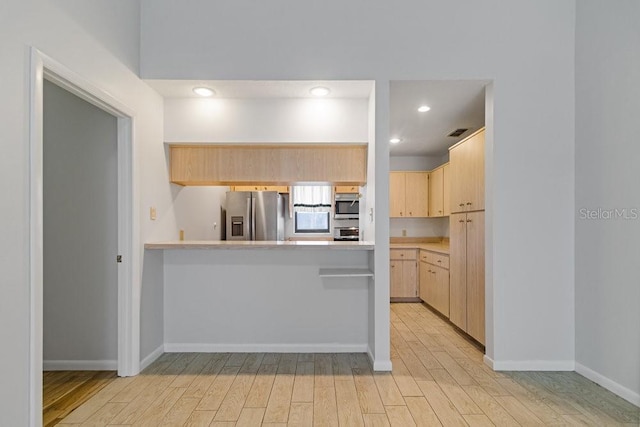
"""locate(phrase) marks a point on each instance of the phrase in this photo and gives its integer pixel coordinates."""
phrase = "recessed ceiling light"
(395, 140)
(203, 91)
(424, 108)
(320, 91)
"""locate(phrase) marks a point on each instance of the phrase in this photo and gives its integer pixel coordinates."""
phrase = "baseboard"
(152, 357)
(379, 365)
(530, 365)
(79, 365)
(264, 348)
(488, 361)
(622, 391)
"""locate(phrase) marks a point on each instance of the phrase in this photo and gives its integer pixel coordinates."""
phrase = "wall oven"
(347, 234)
(347, 206)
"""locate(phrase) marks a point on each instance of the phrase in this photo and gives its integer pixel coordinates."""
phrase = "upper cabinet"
(466, 160)
(436, 192)
(268, 164)
(278, 188)
(446, 183)
(409, 194)
(353, 189)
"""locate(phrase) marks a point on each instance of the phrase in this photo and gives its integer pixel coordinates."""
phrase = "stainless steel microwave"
(347, 206)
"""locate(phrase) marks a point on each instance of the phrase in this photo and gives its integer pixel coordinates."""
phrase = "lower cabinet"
(434, 281)
(467, 273)
(404, 274)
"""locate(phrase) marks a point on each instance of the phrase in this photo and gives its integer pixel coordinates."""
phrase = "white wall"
(80, 233)
(278, 120)
(607, 176)
(279, 301)
(414, 163)
(44, 25)
(533, 72)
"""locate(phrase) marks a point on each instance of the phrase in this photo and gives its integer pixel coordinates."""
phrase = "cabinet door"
(417, 194)
(425, 277)
(440, 286)
(436, 192)
(404, 281)
(397, 194)
(396, 279)
(446, 190)
(347, 189)
(475, 275)
(457, 178)
(467, 174)
(410, 279)
(458, 270)
(474, 166)
(193, 165)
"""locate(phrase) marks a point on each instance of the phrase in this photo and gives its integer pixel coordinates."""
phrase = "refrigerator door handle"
(253, 217)
(247, 224)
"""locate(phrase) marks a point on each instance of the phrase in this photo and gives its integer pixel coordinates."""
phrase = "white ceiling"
(263, 88)
(454, 104)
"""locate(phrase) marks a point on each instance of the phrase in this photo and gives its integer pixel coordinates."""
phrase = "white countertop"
(244, 244)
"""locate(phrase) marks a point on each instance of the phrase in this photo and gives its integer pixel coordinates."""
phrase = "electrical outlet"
(404, 233)
(152, 213)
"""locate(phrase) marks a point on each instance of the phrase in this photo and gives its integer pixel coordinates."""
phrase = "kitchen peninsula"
(266, 296)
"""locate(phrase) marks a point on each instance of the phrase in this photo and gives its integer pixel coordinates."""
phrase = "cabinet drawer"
(426, 256)
(440, 260)
(402, 254)
(435, 258)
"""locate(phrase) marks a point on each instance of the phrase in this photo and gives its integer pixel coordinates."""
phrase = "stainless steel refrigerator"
(254, 215)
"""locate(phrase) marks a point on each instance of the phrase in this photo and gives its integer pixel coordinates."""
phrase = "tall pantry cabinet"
(466, 228)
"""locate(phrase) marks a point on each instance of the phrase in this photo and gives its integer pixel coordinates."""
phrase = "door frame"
(43, 68)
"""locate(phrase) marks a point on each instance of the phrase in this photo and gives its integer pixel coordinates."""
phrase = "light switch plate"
(152, 213)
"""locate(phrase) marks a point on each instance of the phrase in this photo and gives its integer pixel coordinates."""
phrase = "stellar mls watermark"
(609, 214)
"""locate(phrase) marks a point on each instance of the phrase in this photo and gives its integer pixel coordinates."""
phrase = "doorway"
(80, 275)
(127, 318)
(437, 161)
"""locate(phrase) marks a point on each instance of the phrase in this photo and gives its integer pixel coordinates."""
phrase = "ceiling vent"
(456, 133)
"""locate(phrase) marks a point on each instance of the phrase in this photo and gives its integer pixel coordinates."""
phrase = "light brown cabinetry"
(436, 192)
(278, 188)
(404, 271)
(267, 164)
(409, 194)
(446, 193)
(434, 280)
(466, 160)
(467, 294)
(346, 189)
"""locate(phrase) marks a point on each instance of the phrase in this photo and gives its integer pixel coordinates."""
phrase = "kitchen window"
(312, 208)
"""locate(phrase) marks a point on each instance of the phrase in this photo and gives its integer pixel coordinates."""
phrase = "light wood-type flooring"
(438, 379)
(64, 391)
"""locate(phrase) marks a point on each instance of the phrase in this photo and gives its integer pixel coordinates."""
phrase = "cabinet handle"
(462, 220)
(461, 204)
(439, 260)
(410, 213)
(468, 203)
(433, 272)
(400, 213)
(401, 254)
